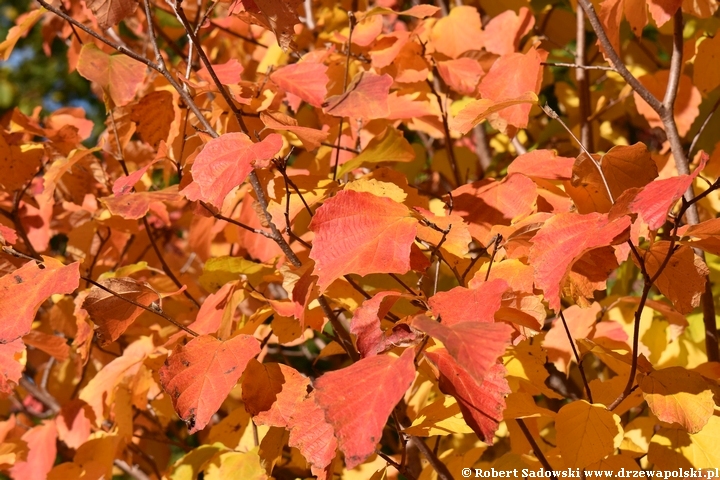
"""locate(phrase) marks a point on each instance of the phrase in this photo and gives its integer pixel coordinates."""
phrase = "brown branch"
(583, 87)
(536, 448)
(615, 60)
(700, 131)
(579, 65)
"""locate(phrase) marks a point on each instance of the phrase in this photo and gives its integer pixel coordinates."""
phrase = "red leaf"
(474, 345)
(199, 376)
(365, 98)
(119, 75)
(482, 405)
(654, 201)
(112, 314)
(469, 305)
(307, 80)
(225, 162)
(564, 239)
(543, 164)
(365, 322)
(10, 367)
(125, 184)
(357, 401)
(510, 77)
(272, 391)
(358, 232)
(24, 290)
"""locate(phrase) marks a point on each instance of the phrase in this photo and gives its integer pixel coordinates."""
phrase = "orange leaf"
(280, 17)
(41, 441)
(687, 103)
(154, 115)
(458, 33)
(482, 405)
(543, 164)
(677, 395)
(51, 344)
(663, 10)
(487, 203)
(503, 33)
(474, 345)
(111, 12)
(311, 433)
(358, 399)
(623, 168)
(707, 234)
(24, 290)
(119, 75)
(311, 138)
(480, 110)
(271, 392)
(10, 367)
(114, 315)
(358, 232)
(513, 76)
(457, 240)
(225, 162)
(365, 98)
(580, 322)
(469, 305)
(586, 433)
(462, 75)
(306, 80)
(132, 206)
(682, 281)
(199, 376)
(563, 240)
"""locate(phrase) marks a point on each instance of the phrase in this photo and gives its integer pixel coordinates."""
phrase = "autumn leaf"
(11, 353)
(358, 232)
(120, 76)
(543, 164)
(474, 345)
(654, 201)
(458, 32)
(113, 314)
(587, 433)
(305, 80)
(310, 137)
(199, 375)
(358, 399)
(562, 240)
(687, 102)
(623, 168)
(225, 162)
(366, 320)
(580, 323)
(462, 304)
(280, 17)
(365, 98)
(478, 111)
(25, 289)
(23, 25)
(391, 146)
(482, 405)
(486, 203)
(678, 395)
(682, 280)
(503, 33)
(111, 12)
(41, 441)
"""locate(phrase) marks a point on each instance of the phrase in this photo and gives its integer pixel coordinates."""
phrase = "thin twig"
(536, 448)
(702, 128)
(578, 66)
(577, 358)
(351, 21)
(166, 267)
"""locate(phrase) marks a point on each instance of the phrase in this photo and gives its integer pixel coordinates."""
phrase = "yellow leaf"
(671, 449)
(235, 466)
(678, 395)
(441, 417)
(586, 433)
(391, 146)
